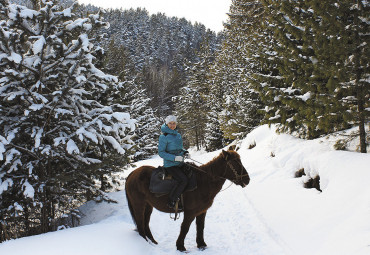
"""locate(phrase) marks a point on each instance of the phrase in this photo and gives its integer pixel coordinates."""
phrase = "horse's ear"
(225, 154)
(232, 147)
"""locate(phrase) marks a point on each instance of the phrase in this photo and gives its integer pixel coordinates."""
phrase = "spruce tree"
(131, 93)
(318, 83)
(217, 81)
(192, 104)
(240, 101)
(342, 50)
(55, 130)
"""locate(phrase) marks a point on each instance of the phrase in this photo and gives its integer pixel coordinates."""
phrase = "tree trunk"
(362, 126)
(359, 86)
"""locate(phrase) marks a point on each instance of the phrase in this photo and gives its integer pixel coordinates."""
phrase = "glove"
(179, 158)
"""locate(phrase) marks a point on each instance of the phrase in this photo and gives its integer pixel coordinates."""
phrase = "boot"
(172, 203)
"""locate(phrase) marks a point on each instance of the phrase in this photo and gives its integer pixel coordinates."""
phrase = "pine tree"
(319, 47)
(192, 104)
(217, 82)
(342, 52)
(131, 93)
(240, 102)
(55, 128)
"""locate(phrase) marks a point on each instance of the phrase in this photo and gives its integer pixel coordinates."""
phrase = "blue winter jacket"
(169, 146)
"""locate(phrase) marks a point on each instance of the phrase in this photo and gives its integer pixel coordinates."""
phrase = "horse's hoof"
(202, 248)
(181, 248)
(153, 241)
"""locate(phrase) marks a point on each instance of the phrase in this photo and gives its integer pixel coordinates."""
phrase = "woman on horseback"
(170, 148)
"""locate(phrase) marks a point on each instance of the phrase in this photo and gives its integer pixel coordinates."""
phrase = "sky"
(211, 13)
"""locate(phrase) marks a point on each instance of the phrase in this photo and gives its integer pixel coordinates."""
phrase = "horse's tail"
(129, 203)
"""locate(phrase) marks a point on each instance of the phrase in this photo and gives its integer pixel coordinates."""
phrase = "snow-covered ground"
(273, 215)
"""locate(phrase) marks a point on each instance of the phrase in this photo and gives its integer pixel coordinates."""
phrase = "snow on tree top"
(22, 11)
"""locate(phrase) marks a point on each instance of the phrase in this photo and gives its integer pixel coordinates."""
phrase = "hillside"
(274, 214)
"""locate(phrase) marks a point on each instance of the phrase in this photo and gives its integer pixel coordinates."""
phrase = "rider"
(170, 148)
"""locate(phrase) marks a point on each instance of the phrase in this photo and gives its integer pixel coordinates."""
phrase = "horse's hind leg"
(139, 210)
(148, 213)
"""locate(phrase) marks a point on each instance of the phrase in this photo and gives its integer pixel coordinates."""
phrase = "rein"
(237, 176)
(201, 170)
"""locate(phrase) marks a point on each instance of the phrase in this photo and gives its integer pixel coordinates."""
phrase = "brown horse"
(210, 179)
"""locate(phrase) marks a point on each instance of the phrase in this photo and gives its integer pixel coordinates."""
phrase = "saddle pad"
(164, 186)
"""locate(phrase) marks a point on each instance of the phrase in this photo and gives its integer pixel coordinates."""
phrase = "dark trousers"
(182, 181)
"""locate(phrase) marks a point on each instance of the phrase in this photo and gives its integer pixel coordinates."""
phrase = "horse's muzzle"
(244, 182)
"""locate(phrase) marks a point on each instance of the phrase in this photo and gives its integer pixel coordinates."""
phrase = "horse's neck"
(211, 180)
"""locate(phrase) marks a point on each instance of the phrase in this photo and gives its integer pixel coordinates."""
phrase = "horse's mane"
(232, 154)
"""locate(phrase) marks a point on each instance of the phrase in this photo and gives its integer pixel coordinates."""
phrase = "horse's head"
(235, 170)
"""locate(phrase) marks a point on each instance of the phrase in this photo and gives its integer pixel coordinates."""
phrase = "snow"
(5, 185)
(38, 45)
(15, 57)
(28, 190)
(72, 147)
(273, 215)
(77, 23)
(305, 97)
(38, 137)
(81, 132)
(115, 144)
(36, 107)
(3, 142)
(67, 12)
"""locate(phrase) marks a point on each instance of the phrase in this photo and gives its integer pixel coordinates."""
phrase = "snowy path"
(233, 226)
(273, 215)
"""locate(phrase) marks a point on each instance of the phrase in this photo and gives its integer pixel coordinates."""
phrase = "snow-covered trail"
(273, 215)
(233, 226)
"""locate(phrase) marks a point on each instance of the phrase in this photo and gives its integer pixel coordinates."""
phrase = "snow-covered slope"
(273, 215)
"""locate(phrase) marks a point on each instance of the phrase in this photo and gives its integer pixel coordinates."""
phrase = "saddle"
(161, 183)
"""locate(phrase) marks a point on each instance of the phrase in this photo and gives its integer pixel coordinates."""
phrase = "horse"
(210, 179)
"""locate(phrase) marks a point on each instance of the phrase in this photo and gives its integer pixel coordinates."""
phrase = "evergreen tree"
(55, 128)
(217, 81)
(240, 102)
(193, 106)
(283, 67)
(131, 93)
(318, 84)
(342, 51)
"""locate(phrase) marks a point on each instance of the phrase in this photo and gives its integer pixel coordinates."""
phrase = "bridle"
(238, 177)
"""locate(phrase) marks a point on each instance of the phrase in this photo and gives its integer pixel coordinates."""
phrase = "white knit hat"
(170, 118)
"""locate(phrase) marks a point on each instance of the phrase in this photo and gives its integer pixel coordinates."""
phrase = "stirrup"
(176, 208)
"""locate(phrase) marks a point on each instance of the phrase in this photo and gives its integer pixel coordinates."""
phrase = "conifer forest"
(83, 91)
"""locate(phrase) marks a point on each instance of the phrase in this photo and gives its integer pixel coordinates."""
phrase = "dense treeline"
(160, 50)
(301, 64)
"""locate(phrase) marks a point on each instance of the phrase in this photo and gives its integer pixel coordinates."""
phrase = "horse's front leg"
(188, 219)
(200, 231)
